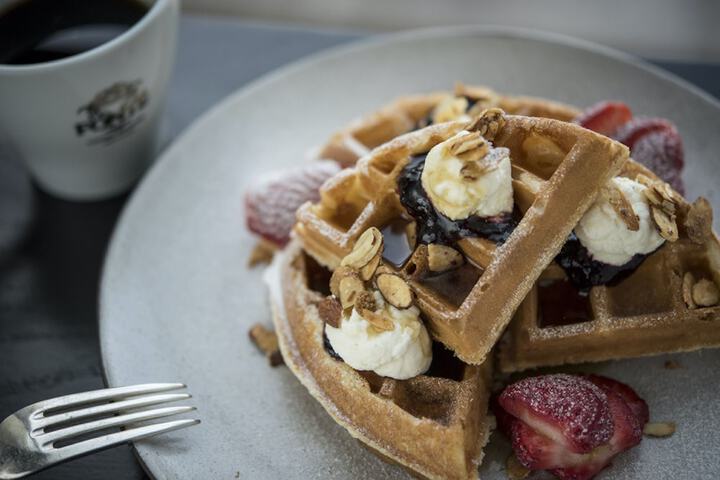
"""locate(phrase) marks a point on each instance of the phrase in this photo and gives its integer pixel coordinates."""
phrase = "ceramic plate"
(177, 298)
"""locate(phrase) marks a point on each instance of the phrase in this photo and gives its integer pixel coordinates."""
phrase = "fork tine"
(110, 440)
(136, 402)
(104, 394)
(120, 420)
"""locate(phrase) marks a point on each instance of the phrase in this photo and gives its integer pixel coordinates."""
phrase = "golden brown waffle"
(644, 314)
(558, 169)
(404, 114)
(434, 425)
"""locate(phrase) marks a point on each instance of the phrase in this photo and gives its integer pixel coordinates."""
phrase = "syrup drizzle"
(433, 226)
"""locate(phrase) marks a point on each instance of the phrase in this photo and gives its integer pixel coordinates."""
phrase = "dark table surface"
(51, 251)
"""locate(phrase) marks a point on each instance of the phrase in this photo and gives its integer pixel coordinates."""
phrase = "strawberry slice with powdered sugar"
(270, 204)
(633, 400)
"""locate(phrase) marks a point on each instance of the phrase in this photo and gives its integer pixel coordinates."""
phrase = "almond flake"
(378, 320)
(442, 258)
(395, 290)
(350, 287)
(665, 223)
(488, 123)
(365, 249)
(340, 273)
(330, 311)
(367, 272)
(698, 221)
(659, 429)
(705, 293)
(267, 342)
(469, 147)
(687, 288)
(619, 202)
(262, 253)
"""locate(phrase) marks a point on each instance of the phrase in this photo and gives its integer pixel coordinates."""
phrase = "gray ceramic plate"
(177, 299)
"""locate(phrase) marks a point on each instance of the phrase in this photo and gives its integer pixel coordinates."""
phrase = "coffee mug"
(87, 125)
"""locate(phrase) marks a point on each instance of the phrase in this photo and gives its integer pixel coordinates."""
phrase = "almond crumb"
(488, 123)
(659, 429)
(705, 293)
(266, 341)
(514, 469)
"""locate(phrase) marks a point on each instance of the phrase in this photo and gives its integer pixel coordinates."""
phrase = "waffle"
(468, 310)
(646, 313)
(406, 113)
(434, 425)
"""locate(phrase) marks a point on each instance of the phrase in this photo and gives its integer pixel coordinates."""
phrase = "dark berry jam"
(584, 272)
(562, 303)
(329, 349)
(433, 226)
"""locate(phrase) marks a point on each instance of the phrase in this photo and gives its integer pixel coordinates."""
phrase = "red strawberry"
(568, 409)
(604, 117)
(640, 126)
(662, 152)
(633, 400)
(270, 204)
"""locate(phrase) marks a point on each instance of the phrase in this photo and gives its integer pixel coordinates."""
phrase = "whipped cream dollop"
(401, 353)
(458, 197)
(606, 236)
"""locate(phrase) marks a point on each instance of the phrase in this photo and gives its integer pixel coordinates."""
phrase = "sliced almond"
(267, 342)
(378, 320)
(698, 221)
(644, 180)
(450, 108)
(442, 258)
(262, 253)
(514, 469)
(687, 290)
(659, 429)
(367, 272)
(349, 288)
(330, 311)
(469, 147)
(622, 206)
(665, 223)
(340, 273)
(488, 123)
(365, 301)
(395, 290)
(705, 293)
(365, 249)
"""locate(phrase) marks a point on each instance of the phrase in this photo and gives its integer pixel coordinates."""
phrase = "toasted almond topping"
(659, 429)
(330, 311)
(340, 273)
(698, 221)
(469, 147)
(395, 290)
(687, 288)
(365, 301)
(644, 180)
(488, 123)
(367, 272)
(378, 320)
(261, 253)
(619, 202)
(665, 223)
(672, 365)
(705, 293)
(365, 249)
(442, 258)
(450, 108)
(266, 341)
(350, 287)
(411, 234)
(514, 469)
(543, 152)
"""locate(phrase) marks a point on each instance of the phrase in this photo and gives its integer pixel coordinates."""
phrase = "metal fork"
(41, 435)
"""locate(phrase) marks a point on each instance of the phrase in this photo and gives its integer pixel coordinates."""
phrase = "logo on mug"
(112, 113)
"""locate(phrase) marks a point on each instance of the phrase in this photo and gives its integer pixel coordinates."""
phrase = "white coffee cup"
(87, 125)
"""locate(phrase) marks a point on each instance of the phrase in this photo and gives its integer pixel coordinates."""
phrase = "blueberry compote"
(433, 226)
(585, 273)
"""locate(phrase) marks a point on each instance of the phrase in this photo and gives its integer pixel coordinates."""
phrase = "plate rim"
(164, 158)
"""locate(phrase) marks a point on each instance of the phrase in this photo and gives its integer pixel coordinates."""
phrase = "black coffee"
(35, 31)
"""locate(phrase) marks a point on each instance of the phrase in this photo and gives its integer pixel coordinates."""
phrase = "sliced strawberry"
(568, 409)
(633, 400)
(662, 152)
(604, 117)
(270, 205)
(629, 133)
